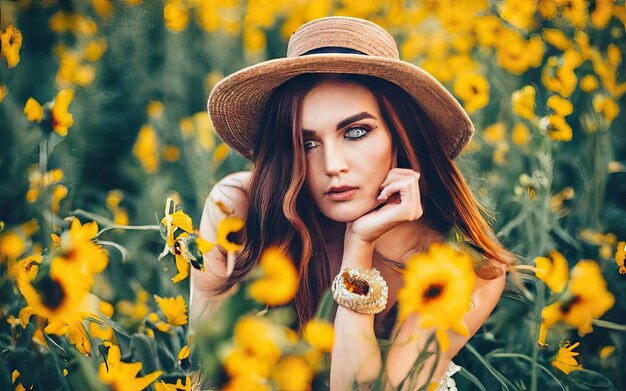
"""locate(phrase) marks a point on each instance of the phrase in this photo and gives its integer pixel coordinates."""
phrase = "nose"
(334, 160)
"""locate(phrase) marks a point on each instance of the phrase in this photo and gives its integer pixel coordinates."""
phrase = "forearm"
(355, 354)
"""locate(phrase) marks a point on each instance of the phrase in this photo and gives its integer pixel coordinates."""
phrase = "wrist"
(357, 253)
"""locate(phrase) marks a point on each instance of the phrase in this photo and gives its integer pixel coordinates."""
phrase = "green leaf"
(81, 375)
(587, 380)
(145, 350)
(327, 307)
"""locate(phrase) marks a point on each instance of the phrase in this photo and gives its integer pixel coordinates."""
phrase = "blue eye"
(357, 132)
(309, 145)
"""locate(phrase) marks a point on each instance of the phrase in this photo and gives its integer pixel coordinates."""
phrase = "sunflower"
(57, 297)
(227, 236)
(565, 360)
(438, 286)
(279, 281)
(174, 309)
(120, 376)
(553, 271)
(585, 299)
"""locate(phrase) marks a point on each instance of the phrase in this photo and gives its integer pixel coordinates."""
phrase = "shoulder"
(229, 197)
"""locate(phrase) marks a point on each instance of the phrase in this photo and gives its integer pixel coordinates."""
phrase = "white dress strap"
(447, 383)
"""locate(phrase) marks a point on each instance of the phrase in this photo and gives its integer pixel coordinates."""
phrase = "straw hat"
(332, 45)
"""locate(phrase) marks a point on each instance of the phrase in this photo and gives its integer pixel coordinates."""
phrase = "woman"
(353, 154)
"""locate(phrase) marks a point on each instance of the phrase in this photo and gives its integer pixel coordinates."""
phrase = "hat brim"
(237, 102)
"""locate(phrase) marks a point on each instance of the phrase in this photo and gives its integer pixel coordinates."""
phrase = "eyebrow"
(344, 122)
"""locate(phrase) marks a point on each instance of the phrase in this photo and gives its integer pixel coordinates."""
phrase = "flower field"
(107, 157)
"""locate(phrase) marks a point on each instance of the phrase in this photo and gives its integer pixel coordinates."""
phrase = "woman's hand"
(400, 197)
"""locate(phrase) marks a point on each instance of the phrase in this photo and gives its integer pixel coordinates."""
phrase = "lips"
(341, 193)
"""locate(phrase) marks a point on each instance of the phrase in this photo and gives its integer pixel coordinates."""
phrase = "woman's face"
(348, 149)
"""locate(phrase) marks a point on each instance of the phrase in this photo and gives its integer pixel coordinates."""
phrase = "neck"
(406, 239)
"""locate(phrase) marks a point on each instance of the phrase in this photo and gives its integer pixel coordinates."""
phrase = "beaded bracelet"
(361, 290)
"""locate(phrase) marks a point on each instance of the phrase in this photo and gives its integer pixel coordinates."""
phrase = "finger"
(411, 178)
(398, 173)
(407, 187)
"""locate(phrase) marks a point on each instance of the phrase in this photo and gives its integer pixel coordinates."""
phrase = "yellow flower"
(292, 373)
(557, 200)
(473, 89)
(602, 14)
(521, 134)
(620, 255)
(558, 129)
(576, 12)
(174, 309)
(499, 154)
(227, 229)
(561, 80)
(553, 272)
(565, 360)
(220, 153)
(103, 8)
(11, 40)
(606, 106)
(258, 337)
(495, 133)
(557, 39)
(155, 109)
(589, 83)
(178, 386)
(61, 118)
(95, 49)
(171, 153)
(137, 310)
(488, 29)
(437, 287)
(524, 102)
(121, 376)
(519, 13)
(72, 71)
(586, 298)
(146, 149)
(248, 383)
(58, 194)
(606, 351)
(3, 92)
(12, 245)
(254, 40)
(319, 334)
(279, 281)
(184, 352)
(562, 107)
(176, 15)
(516, 55)
(33, 110)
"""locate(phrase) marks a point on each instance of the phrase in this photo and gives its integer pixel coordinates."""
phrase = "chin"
(346, 211)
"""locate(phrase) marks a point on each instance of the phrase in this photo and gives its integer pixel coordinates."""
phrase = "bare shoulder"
(229, 196)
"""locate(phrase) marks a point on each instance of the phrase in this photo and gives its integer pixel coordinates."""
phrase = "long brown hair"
(282, 214)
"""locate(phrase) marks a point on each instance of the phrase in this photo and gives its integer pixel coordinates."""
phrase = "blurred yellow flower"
(104, 8)
(562, 107)
(58, 194)
(520, 134)
(438, 286)
(565, 360)
(205, 131)
(3, 92)
(519, 13)
(138, 310)
(517, 55)
(254, 40)
(561, 80)
(11, 40)
(61, 118)
(320, 335)
(146, 149)
(605, 105)
(228, 228)
(473, 89)
(278, 283)
(557, 128)
(557, 38)
(499, 154)
(176, 15)
(257, 336)
(292, 373)
(72, 71)
(184, 352)
(121, 376)
(174, 309)
(557, 200)
(589, 83)
(606, 351)
(576, 12)
(33, 110)
(547, 8)
(586, 299)
(95, 49)
(245, 382)
(620, 255)
(553, 271)
(488, 29)
(524, 102)
(495, 133)
(12, 245)
(171, 153)
(155, 109)
(178, 386)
